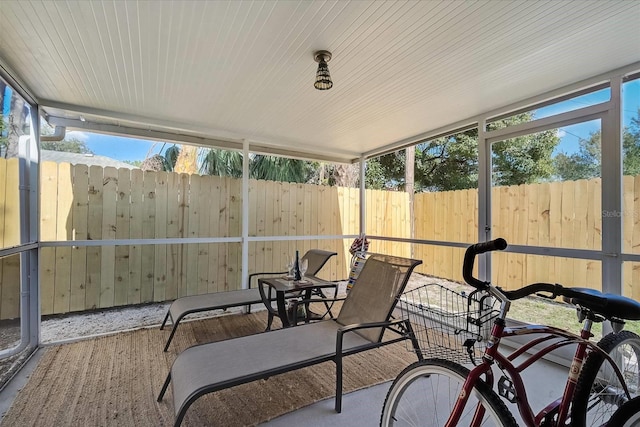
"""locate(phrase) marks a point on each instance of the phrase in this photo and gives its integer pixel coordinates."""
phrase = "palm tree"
(282, 169)
(212, 161)
(220, 162)
(272, 168)
(162, 162)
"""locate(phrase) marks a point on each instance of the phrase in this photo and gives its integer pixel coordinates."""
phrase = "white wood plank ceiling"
(244, 70)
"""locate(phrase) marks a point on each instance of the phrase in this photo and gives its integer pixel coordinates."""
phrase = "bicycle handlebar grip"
(470, 256)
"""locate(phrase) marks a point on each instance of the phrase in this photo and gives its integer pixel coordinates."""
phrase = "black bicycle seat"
(607, 305)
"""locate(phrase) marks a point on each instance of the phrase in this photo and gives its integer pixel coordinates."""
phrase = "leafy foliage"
(72, 145)
(221, 163)
(281, 169)
(273, 168)
(586, 162)
(451, 163)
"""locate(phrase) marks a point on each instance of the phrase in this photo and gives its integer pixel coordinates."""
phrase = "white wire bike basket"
(446, 322)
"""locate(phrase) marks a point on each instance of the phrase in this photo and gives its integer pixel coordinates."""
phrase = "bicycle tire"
(426, 391)
(598, 393)
(628, 415)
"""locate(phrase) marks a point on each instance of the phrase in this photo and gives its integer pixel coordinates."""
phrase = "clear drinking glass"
(290, 264)
(303, 269)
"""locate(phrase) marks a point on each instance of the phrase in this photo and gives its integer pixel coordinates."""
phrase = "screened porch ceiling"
(223, 72)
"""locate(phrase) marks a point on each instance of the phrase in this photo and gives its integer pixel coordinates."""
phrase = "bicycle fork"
(484, 368)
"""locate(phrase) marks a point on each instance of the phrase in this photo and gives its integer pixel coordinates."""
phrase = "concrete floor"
(544, 380)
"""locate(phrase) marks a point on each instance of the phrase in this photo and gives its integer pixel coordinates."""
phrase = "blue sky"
(135, 149)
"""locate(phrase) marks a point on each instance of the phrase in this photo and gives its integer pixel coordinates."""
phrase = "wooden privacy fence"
(94, 203)
(558, 214)
(80, 202)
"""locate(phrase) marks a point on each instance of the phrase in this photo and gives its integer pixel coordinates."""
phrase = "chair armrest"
(356, 326)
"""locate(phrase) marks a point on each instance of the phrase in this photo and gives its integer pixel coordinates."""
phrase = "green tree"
(72, 145)
(586, 162)
(273, 168)
(281, 169)
(221, 162)
(451, 163)
(162, 162)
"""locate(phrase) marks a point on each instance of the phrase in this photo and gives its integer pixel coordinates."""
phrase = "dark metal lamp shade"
(323, 78)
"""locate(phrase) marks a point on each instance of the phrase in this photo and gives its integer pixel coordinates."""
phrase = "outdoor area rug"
(115, 380)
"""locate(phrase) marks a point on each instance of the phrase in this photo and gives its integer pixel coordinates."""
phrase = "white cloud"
(561, 133)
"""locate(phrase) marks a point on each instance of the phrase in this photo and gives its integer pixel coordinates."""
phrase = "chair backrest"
(379, 285)
(316, 259)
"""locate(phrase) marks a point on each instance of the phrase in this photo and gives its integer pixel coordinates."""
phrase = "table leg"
(282, 309)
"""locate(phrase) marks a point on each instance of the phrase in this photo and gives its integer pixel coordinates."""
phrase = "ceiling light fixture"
(323, 79)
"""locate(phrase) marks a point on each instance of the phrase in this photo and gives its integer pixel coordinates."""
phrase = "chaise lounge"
(365, 316)
(181, 307)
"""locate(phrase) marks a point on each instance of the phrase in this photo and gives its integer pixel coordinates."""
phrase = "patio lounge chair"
(361, 324)
(179, 308)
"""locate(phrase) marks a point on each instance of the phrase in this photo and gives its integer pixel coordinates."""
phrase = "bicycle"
(450, 394)
(628, 415)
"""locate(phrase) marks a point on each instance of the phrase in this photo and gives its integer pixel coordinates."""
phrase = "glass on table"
(291, 262)
(304, 264)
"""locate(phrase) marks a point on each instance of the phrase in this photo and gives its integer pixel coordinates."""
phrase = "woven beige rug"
(114, 380)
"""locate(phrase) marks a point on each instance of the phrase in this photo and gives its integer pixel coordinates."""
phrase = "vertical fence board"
(298, 195)
(627, 231)
(80, 232)
(235, 228)
(109, 224)
(183, 250)
(135, 232)
(123, 208)
(48, 219)
(532, 262)
(224, 229)
(148, 252)
(11, 201)
(253, 228)
(10, 270)
(215, 249)
(580, 192)
(276, 205)
(190, 253)
(161, 230)
(564, 267)
(204, 196)
(94, 232)
(174, 208)
(63, 232)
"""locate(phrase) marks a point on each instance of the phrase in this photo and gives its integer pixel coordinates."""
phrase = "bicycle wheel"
(598, 391)
(628, 415)
(425, 392)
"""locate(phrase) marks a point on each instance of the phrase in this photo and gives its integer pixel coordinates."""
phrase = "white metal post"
(245, 215)
(363, 199)
(484, 197)
(32, 267)
(612, 192)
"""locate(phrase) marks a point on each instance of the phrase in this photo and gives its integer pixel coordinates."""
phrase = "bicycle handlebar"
(607, 305)
(572, 295)
(470, 256)
(555, 290)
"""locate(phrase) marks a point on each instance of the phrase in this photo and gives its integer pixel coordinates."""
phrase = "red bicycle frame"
(558, 409)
